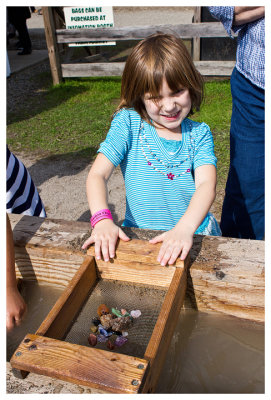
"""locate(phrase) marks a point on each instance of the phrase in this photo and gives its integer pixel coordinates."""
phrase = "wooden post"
(49, 27)
(196, 40)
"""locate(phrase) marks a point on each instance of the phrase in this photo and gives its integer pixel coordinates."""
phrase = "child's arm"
(15, 305)
(179, 240)
(105, 233)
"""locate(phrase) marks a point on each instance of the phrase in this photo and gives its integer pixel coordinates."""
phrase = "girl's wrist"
(100, 215)
(187, 227)
(105, 223)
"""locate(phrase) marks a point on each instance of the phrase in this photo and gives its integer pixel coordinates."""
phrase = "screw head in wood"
(32, 347)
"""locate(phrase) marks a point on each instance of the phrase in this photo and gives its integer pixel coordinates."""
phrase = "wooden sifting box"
(49, 351)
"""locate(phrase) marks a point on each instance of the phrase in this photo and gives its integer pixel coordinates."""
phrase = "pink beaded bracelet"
(99, 215)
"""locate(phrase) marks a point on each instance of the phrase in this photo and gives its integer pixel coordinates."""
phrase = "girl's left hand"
(175, 242)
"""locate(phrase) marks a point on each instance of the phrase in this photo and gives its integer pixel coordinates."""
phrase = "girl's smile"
(172, 117)
(168, 110)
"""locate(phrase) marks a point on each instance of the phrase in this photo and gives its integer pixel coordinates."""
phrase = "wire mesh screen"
(120, 295)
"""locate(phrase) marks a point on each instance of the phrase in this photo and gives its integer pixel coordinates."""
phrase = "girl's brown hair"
(158, 56)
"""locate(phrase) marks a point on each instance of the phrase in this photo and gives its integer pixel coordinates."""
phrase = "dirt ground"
(61, 182)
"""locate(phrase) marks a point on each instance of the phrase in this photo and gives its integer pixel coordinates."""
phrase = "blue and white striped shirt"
(154, 200)
(22, 196)
(250, 56)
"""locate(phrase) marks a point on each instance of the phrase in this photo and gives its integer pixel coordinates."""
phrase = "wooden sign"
(90, 17)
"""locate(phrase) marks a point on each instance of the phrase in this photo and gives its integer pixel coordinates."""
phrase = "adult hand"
(177, 241)
(105, 235)
(245, 15)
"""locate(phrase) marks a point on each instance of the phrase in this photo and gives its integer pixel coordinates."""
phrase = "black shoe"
(24, 52)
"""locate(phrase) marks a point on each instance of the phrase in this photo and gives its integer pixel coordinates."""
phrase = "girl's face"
(169, 109)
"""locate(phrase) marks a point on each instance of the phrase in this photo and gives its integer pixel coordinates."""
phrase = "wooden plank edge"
(138, 273)
(100, 369)
(54, 265)
(164, 328)
(138, 250)
(51, 251)
(69, 303)
(59, 318)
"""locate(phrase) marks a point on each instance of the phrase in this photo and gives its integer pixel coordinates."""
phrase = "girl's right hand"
(105, 235)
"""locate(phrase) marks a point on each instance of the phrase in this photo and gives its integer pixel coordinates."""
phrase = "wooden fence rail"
(206, 68)
(194, 31)
(184, 31)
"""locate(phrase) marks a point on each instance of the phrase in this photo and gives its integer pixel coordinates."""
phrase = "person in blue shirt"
(243, 208)
(167, 160)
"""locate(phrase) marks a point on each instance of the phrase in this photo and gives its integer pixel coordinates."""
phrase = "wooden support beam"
(136, 261)
(138, 251)
(206, 68)
(196, 40)
(54, 58)
(82, 365)
(185, 31)
(70, 302)
(226, 275)
(164, 328)
(60, 317)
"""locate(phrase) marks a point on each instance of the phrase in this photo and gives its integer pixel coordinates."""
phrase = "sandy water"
(208, 353)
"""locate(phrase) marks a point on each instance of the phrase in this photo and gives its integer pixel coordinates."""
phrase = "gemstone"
(102, 310)
(94, 328)
(120, 341)
(124, 312)
(135, 313)
(110, 345)
(102, 338)
(104, 332)
(121, 323)
(92, 339)
(96, 321)
(116, 312)
(107, 320)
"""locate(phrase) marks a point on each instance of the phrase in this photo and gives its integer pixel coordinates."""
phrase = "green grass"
(75, 116)
(71, 117)
(216, 112)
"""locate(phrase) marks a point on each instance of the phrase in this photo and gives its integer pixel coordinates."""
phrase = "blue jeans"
(243, 207)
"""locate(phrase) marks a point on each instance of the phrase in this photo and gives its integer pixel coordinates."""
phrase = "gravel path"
(23, 85)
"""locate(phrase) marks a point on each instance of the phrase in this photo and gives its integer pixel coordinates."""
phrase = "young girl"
(166, 159)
